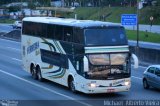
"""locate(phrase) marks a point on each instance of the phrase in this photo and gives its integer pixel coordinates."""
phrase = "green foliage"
(147, 12)
(143, 36)
(113, 14)
(34, 3)
(158, 2)
(44, 2)
(9, 21)
(14, 9)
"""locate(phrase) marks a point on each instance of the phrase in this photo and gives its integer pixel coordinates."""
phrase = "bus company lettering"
(118, 82)
(33, 47)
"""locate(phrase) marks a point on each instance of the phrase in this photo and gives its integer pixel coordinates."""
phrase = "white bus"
(84, 55)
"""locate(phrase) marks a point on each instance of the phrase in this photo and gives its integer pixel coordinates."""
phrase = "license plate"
(110, 90)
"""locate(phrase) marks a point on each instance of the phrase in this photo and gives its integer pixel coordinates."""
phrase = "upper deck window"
(111, 36)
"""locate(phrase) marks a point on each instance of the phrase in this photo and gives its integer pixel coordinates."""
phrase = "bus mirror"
(135, 58)
(85, 62)
(68, 35)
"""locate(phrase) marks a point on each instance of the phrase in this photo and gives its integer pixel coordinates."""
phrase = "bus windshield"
(108, 66)
(108, 59)
(111, 36)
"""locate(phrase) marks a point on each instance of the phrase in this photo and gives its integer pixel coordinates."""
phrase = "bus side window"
(43, 30)
(27, 28)
(37, 28)
(50, 31)
(59, 32)
(24, 25)
(78, 36)
(68, 34)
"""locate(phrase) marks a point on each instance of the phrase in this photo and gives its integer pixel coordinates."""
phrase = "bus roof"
(69, 22)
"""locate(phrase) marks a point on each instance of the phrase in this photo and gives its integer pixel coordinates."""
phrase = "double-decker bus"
(84, 55)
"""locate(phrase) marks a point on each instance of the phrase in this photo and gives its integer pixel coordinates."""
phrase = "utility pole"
(137, 24)
(137, 46)
(21, 10)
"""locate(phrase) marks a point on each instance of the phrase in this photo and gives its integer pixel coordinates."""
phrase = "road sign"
(151, 22)
(151, 18)
(129, 19)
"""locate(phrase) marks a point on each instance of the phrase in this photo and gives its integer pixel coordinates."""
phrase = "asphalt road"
(6, 28)
(16, 84)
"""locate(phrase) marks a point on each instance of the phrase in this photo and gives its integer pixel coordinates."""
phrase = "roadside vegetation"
(113, 14)
(103, 10)
(7, 21)
(143, 36)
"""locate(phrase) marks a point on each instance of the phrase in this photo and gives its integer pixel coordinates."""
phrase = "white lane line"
(16, 59)
(137, 77)
(10, 41)
(140, 66)
(143, 67)
(45, 88)
(13, 48)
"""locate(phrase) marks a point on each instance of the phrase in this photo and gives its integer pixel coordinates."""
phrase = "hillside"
(113, 14)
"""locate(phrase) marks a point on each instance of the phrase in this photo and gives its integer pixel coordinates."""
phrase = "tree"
(44, 3)
(14, 8)
(158, 2)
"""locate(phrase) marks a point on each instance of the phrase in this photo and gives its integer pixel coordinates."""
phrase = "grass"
(143, 36)
(8, 21)
(113, 14)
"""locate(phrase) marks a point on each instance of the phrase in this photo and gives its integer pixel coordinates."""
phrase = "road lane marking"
(141, 66)
(14, 48)
(16, 59)
(10, 40)
(45, 88)
(136, 77)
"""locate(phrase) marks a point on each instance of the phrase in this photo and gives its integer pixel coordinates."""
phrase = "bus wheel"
(39, 75)
(33, 72)
(72, 85)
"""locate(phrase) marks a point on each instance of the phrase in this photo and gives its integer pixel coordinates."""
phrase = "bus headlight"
(92, 85)
(126, 83)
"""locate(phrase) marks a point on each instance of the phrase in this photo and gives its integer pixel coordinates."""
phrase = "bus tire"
(71, 84)
(33, 72)
(39, 75)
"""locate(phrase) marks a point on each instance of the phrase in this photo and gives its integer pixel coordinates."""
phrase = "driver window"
(157, 72)
(151, 70)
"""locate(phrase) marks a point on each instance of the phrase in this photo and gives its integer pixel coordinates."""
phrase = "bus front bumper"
(109, 86)
(94, 90)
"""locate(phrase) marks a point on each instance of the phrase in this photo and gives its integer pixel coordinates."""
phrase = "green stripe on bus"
(60, 75)
(58, 47)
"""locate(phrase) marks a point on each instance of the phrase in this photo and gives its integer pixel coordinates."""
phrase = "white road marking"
(45, 88)
(16, 59)
(141, 66)
(13, 48)
(136, 77)
(10, 41)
